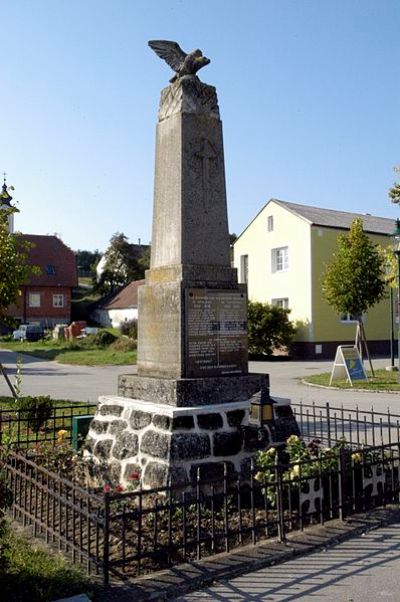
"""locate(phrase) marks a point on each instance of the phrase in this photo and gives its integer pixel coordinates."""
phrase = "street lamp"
(396, 250)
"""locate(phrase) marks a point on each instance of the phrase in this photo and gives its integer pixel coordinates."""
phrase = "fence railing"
(18, 427)
(134, 532)
(127, 534)
(357, 426)
(61, 511)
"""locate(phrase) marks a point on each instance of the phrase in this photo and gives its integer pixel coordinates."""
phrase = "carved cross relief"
(204, 162)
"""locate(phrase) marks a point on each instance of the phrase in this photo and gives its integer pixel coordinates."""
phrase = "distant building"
(118, 307)
(46, 298)
(282, 255)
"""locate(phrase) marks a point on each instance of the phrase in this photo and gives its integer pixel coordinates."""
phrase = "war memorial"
(188, 406)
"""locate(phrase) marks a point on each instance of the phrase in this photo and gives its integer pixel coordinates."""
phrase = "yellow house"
(282, 254)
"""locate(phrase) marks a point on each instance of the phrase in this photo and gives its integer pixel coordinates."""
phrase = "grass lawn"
(383, 381)
(80, 352)
(29, 572)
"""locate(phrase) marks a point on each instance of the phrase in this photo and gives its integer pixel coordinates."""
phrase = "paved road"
(363, 569)
(86, 383)
(62, 381)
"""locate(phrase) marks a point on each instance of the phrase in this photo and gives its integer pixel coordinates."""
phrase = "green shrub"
(35, 410)
(129, 328)
(124, 344)
(103, 338)
(269, 328)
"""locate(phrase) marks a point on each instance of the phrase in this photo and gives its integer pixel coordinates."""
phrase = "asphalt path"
(87, 383)
(363, 569)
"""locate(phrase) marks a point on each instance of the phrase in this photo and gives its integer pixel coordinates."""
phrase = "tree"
(355, 279)
(15, 268)
(394, 192)
(86, 261)
(124, 262)
(269, 328)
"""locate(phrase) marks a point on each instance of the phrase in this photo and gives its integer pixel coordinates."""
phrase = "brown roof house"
(118, 307)
(46, 298)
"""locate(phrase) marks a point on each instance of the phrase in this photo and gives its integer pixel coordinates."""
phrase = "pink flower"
(119, 488)
(107, 488)
(134, 476)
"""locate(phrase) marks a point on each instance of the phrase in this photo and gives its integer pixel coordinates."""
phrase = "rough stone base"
(165, 442)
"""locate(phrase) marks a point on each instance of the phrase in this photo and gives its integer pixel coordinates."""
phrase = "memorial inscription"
(216, 339)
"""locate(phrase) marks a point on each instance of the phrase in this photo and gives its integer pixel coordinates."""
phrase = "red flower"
(135, 476)
(119, 488)
(107, 488)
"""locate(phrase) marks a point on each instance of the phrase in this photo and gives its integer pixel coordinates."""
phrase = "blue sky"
(308, 91)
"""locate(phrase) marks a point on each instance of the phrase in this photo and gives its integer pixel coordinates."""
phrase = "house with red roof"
(46, 298)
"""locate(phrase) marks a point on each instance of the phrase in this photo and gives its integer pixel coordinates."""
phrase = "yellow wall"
(295, 283)
(310, 248)
(326, 323)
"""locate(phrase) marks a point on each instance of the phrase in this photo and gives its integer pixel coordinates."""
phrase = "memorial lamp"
(261, 408)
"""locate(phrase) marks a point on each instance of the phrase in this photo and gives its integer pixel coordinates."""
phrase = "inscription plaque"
(216, 332)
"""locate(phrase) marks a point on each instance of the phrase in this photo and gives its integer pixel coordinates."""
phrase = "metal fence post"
(106, 543)
(279, 501)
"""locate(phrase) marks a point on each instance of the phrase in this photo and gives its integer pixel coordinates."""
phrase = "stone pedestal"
(167, 442)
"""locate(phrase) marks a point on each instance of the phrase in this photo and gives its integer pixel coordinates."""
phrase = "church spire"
(5, 197)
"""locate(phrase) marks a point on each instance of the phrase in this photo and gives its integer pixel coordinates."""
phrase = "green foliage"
(354, 281)
(394, 192)
(86, 262)
(103, 338)
(269, 328)
(124, 263)
(124, 344)
(31, 574)
(129, 328)
(14, 265)
(35, 410)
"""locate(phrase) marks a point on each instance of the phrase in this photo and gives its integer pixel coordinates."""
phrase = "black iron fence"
(357, 426)
(24, 428)
(134, 532)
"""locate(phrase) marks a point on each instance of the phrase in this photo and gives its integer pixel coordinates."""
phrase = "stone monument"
(189, 401)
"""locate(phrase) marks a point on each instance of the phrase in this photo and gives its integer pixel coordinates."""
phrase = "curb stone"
(185, 578)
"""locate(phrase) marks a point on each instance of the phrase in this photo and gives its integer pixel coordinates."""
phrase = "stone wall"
(163, 441)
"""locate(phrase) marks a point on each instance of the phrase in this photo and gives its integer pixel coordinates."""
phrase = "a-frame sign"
(348, 364)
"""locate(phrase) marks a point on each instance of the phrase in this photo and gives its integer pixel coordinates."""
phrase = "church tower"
(5, 203)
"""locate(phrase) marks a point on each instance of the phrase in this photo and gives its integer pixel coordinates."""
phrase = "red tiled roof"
(56, 261)
(126, 297)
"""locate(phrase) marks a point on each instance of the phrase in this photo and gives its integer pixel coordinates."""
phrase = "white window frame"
(282, 302)
(244, 269)
(270, 223)
(57, 297)
(280, 259)
(34, 300)
(348, 318)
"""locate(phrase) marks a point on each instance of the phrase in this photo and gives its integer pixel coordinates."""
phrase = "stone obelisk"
(187, 404)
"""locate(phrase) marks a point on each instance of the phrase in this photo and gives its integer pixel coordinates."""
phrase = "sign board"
(348, 364)
(216, 332)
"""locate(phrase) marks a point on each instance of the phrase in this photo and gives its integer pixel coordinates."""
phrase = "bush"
(124, 344)
(269, 328)
(129, 328)
(35, 410)
(103, 338)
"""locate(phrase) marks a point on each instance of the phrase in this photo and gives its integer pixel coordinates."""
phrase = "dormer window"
(50, 270)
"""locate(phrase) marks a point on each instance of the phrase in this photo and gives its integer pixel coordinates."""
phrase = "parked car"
(28, 332)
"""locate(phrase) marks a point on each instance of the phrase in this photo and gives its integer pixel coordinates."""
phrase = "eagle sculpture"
(177, 59)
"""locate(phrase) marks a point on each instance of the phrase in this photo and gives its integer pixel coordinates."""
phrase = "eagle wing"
(171, 52)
